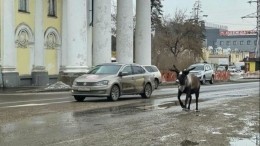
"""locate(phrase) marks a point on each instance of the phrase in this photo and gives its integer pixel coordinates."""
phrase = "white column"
(143, 32)
(124, 32)
(89, 30)
(8, 36)
(102, 32)
(76, 36)
(64, 30)
(39, 37)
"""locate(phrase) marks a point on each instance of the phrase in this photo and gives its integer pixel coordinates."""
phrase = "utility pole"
(258, 29)
(196, 11)
(257, 16)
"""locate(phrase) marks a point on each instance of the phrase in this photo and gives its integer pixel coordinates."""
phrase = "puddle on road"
(254, 141)
(188, 143)
(131, 109)
(237, 95)
(158, 105)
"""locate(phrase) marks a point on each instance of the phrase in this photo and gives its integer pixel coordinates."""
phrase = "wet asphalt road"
(56, 119)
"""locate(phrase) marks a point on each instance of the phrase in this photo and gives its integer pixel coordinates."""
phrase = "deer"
(189, 84)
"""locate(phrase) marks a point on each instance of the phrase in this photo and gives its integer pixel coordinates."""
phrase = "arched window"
(52, 38)
(52, 8)
(23, 36)
(23, 5)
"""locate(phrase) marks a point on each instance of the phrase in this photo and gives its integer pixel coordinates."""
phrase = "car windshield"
(221, 67)
(197, 67)
(105, 69)
(231, 67)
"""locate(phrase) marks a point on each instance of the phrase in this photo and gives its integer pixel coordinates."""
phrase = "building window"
(234, 42)
(23, 5)
(248, 42)
(241, 42)
(52, 8)
(221, 43)
(255, 42)
(228, 43)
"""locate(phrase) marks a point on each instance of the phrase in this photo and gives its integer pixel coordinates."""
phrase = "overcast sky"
(221, 12)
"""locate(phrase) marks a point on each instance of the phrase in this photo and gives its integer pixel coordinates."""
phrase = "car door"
(139, 77)
(208, 72)
(127, 81)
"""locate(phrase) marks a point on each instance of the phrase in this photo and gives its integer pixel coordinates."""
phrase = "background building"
(46, 40)
(30, 41)
(225, 47)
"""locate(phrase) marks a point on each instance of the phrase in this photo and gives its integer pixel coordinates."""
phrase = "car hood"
(198, 71)
(93, 78)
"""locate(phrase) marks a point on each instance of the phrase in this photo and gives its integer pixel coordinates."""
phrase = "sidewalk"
(56, 87)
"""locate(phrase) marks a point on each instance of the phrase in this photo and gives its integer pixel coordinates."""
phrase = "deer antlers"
(174, 69)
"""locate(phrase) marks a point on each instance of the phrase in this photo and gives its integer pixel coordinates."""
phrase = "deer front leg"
(179, 98)
(186, 100)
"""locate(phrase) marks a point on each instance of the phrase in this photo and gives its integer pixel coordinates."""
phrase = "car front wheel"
(211, 80)
(114, 94)
(203, 80)
(147, 91)
(156, 83)
(79, 98)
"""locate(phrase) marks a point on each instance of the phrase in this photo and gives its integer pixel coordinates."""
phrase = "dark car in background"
(156, 73)
(204, 72)
(112, 80)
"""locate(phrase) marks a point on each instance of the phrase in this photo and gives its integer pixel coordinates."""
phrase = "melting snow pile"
(58, 86)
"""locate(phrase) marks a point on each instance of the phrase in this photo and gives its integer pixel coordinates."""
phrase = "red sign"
(233, 33)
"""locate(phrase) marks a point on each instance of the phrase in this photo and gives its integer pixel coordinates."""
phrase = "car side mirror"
(123, 74)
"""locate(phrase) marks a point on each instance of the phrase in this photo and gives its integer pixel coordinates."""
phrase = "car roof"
(116, 63)
(198, 64)
(150, 65)
(110, 63)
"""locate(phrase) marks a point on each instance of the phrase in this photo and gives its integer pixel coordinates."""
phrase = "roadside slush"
(234, 122)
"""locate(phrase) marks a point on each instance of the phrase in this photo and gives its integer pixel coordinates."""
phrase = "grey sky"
(221, 12)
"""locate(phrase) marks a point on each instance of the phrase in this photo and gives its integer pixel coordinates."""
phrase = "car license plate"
(83, 89)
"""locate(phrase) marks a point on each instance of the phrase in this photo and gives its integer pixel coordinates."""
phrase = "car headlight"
(102, 83)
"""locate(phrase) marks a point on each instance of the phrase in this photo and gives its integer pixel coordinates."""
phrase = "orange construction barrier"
(168, 76)
(222, 75)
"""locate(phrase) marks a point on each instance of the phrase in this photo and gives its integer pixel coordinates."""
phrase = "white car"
(156, 73)
(204, 72)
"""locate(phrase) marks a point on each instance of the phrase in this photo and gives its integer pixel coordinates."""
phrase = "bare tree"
(181, 34)
(180, 37)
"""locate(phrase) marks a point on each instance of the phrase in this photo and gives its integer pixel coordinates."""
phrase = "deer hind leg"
(197, 100)
(190, 98)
